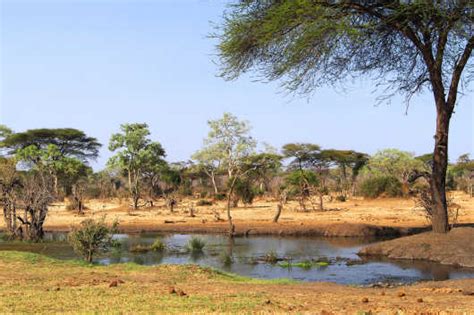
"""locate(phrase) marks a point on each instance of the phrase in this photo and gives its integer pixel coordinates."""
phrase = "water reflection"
(244, 256)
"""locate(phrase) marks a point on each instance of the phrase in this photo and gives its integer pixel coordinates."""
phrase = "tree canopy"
(405, 46)
(313, 43)
(68, 141)
(136, 155)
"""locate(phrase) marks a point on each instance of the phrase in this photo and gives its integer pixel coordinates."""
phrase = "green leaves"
(227, 145)
(92, 237)
(135, 150)
(68, 141)
(136, 155)
(396, 163)
(308, 44)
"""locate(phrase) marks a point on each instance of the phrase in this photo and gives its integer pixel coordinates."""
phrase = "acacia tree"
(347, 161)
(4, 133)
(229, 144)
(463, 173)
(75, 175)
(37, 188)
(136, 155)
(303, 157)
(209, 160)
(9, 184)
(67, 143)
(407, 46)
(399, 164)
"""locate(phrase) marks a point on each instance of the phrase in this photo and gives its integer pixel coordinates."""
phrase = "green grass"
(307, 264)
(158, 246)
(40, 284)
(196, 245)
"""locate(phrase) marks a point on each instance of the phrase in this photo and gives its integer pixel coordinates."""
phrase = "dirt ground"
(31, 283)
(453, 248)
(355, 217)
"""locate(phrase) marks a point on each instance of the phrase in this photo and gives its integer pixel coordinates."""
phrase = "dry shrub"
(424, 203)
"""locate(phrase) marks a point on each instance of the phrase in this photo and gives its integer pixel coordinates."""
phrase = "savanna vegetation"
(41, 166)
(405, 47)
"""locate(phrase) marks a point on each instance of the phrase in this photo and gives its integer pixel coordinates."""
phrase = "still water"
(339, 256)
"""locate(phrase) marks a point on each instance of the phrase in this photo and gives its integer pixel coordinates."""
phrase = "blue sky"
(94, 64)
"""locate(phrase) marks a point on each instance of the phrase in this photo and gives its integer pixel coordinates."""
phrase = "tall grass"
(196, 244)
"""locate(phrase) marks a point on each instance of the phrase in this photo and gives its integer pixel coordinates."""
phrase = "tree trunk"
(229, 201)
(321, 204)
(278, 213)
(135, 201)
(214, 185)
(438, 176)
(55, 184)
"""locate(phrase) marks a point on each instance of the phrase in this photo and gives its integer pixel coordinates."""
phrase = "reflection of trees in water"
(196, 256)
(243, 250)
(428, 270)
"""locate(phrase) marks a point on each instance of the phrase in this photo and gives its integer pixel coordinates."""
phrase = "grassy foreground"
(35, 283)
(31, 283)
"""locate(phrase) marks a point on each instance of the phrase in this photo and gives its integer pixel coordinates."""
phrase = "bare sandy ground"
(453, 248)
(355, 217)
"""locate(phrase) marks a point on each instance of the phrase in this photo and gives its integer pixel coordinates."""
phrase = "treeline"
(42, 165)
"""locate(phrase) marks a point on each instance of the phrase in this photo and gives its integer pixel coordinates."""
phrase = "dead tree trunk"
(281, 202)
(278, 213)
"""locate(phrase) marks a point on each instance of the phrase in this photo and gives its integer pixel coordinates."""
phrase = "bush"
(92, 237)
(226, 259)
(196, 244)
(203, 202)
(220, 197)
(271, 257)
(341, 198)
(244, 191)
(376, 186)
(158, 246)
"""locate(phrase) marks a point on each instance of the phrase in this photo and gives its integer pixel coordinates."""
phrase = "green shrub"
(196, 244)
(244, 191)
(92, 237)
(341, 198)
(204, 202)
(220, 197)
(271, 257)
(376, 186)
(298, 177)
(158, 246)
(226, 259)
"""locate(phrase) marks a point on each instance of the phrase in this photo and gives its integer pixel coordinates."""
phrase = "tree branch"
(458, 69)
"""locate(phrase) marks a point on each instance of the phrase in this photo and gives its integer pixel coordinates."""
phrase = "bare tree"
(35, 198)
(9, 185)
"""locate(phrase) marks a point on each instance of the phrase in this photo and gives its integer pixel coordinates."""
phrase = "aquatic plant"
(307, 264)
(139, 248)
(196, 244)
(271, 257)
(158, 246)
(226, 259)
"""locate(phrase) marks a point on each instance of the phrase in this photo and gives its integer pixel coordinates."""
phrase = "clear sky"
(94, 64)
